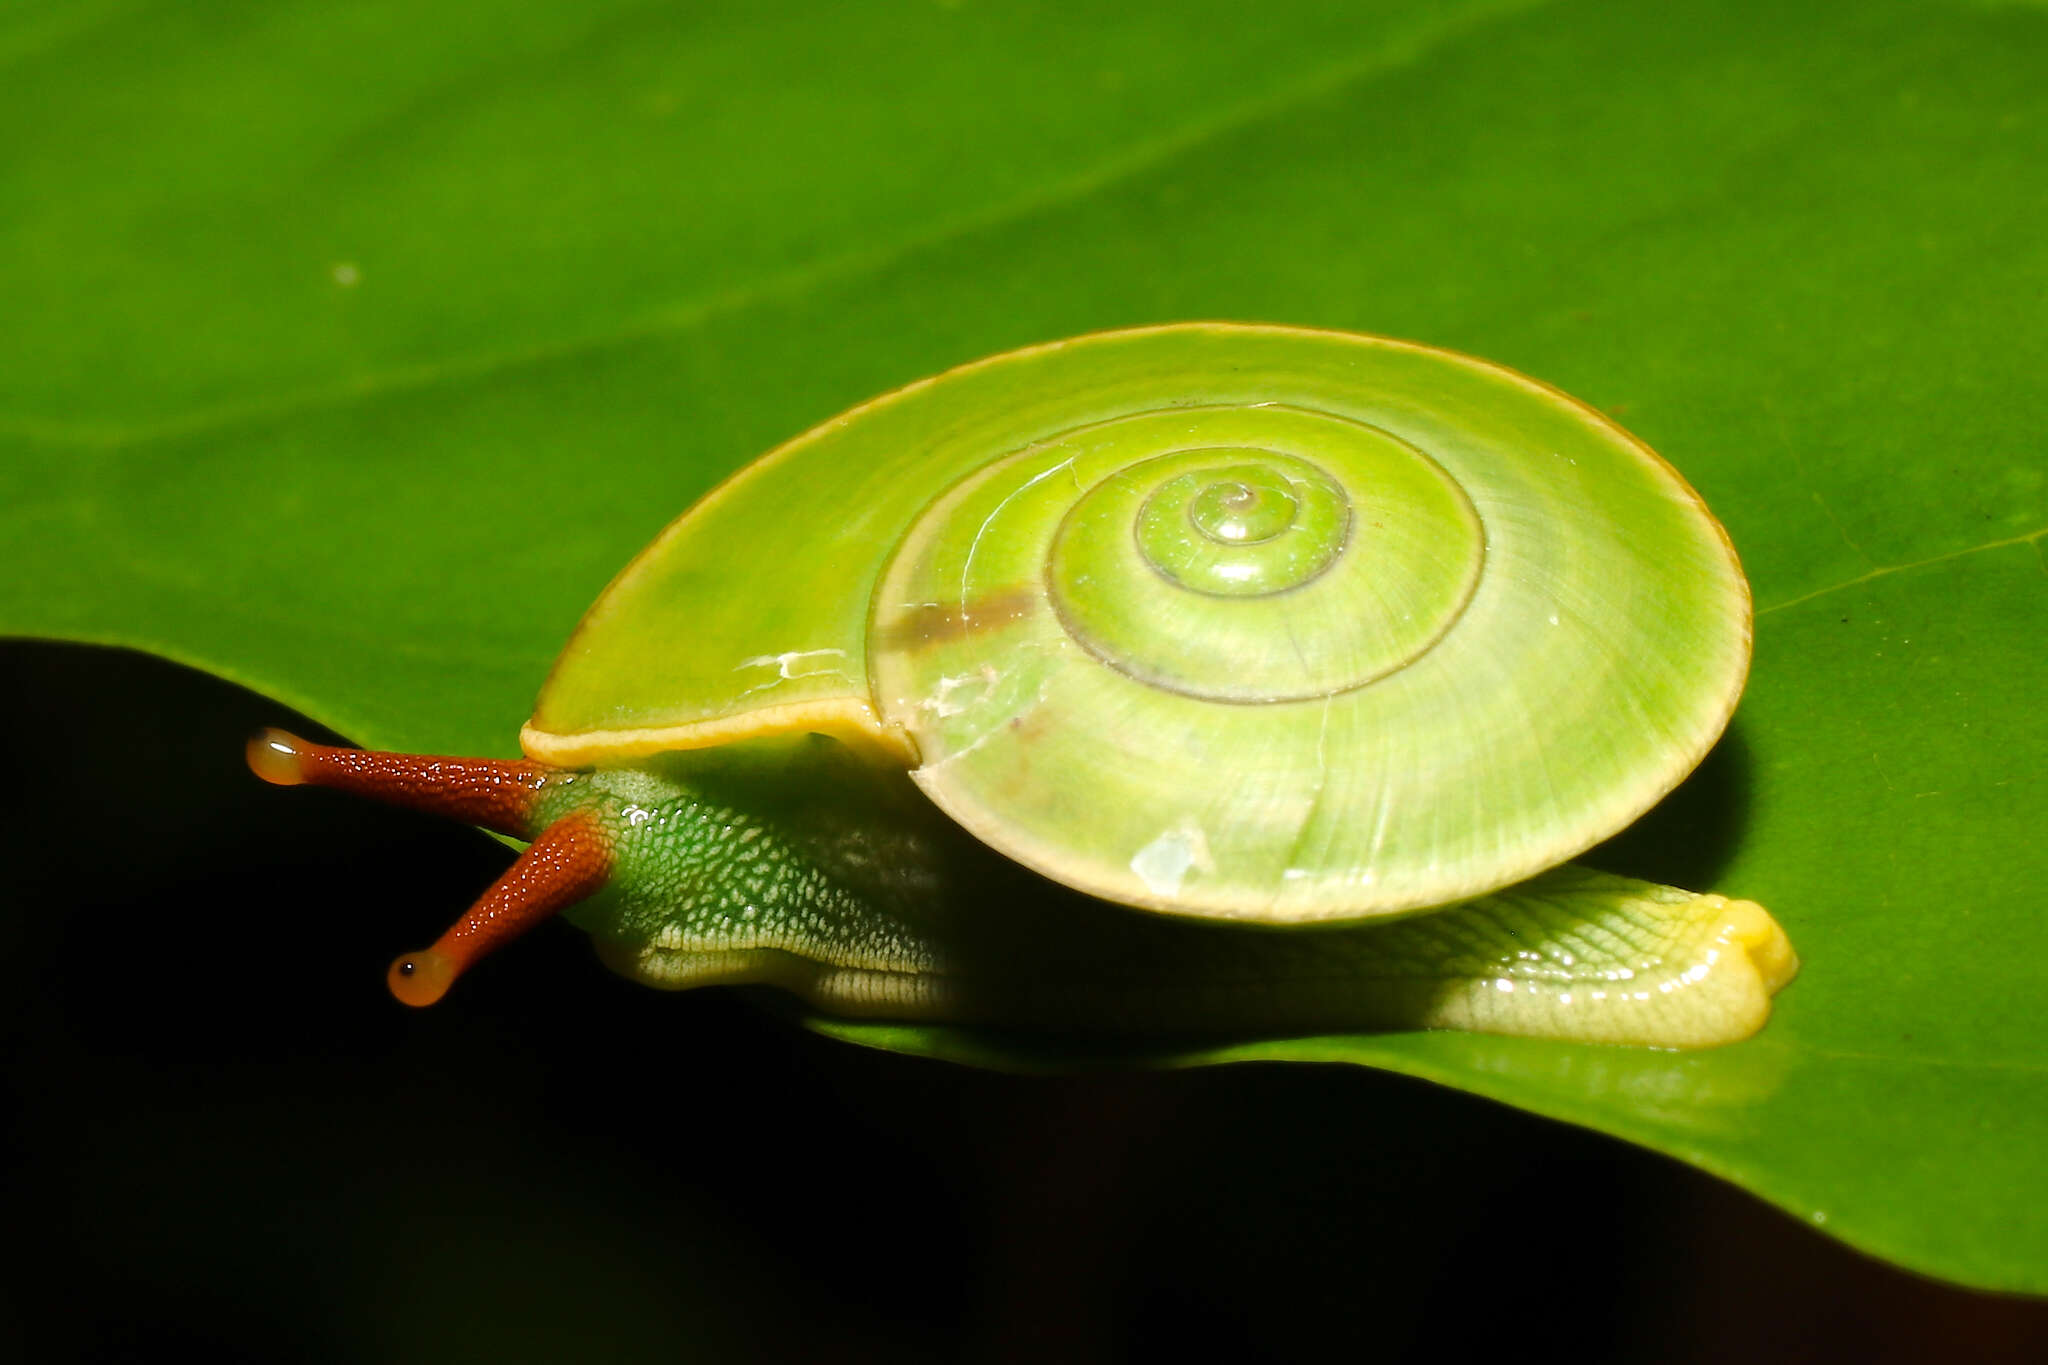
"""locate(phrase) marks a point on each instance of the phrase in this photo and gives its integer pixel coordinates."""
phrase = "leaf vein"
(2032, 538)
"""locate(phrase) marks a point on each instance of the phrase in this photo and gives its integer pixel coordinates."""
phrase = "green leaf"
(349, 352)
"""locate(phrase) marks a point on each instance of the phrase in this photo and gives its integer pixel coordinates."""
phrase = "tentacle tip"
(419, 979)
(277, 756)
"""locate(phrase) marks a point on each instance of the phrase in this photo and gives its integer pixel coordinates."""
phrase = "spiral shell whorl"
(1325, 557)
(1111, 586)
(1349, 652)
(1239, 621)
(1245, 523)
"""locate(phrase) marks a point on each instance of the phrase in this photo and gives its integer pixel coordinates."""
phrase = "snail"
(1208, 678)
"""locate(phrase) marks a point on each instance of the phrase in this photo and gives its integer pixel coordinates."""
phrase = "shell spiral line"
(1241, 622)
(1311, 659)
(1328, 556)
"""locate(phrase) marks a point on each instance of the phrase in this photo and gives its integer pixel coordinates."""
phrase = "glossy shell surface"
(1238, 621)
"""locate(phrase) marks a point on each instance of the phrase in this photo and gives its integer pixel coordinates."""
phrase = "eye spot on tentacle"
(419, 979)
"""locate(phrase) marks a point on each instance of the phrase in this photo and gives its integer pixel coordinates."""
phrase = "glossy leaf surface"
(350, 353)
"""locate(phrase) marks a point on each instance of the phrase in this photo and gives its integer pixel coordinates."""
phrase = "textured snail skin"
(797, 866)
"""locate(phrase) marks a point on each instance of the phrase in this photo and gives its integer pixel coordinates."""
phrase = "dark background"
(223, 1135)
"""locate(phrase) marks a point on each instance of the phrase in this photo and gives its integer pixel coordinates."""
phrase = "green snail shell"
(1247, 622)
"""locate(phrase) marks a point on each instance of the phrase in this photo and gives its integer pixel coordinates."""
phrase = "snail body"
(1203, 676)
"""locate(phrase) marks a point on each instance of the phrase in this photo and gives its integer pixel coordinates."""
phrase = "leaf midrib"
(1887, 570)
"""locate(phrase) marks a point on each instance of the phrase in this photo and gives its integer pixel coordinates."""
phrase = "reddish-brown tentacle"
(571, 859)
(494, 793)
